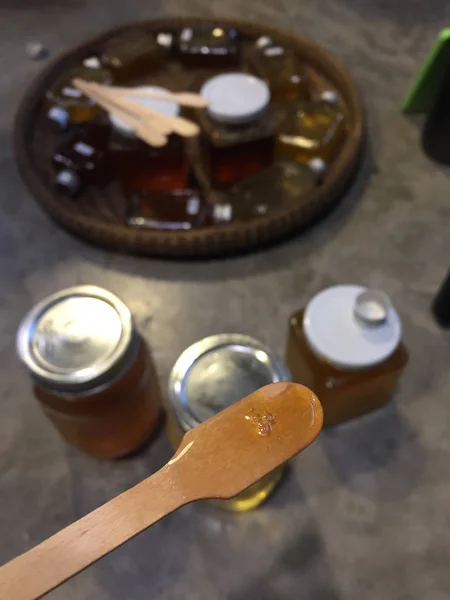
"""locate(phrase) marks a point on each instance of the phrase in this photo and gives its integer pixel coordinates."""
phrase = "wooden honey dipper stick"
(183, 98)
(145, 132)
(217, 459)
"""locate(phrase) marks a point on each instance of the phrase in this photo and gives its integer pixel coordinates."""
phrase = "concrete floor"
(365, 512)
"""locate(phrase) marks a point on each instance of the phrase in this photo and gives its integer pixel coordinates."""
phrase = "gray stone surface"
(365, 512)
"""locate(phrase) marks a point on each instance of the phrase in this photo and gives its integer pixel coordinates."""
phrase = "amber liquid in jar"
(234, 152)
(280, 69)
(143, 167)
(282, 186)
(112, 419)
(132, 54)
(66, 105)
(344, 394)
(246, 500)
(175, 210)
(308, 130)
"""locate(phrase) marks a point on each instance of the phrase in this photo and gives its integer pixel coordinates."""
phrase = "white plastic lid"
(352, 327)
(166, 107)
(235, 98)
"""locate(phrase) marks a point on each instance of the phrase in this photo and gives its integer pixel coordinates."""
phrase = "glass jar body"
(113, 419)
(344, 394)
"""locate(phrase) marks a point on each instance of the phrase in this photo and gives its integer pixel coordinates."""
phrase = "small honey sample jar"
(83, 161)
(237, 128)
(311, 129)
(92, 372)
(67, 105)
(282, 186)
(140, 166)
(172, 210)
(280, 68)
(208, 47)
(346, 345)
(210, 376)
(134, 54)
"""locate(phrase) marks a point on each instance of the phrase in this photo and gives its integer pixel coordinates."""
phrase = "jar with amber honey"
(66, 104)
(307, 130)
(141, 166)
(280, 68)
(346, 345)
(237, 128)
(92, 372)
(210, 376)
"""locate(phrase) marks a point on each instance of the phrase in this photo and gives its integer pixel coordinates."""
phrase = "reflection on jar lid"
(75, 337)
(218, 371)
(372, 307)
(235, 98)
(165, 107)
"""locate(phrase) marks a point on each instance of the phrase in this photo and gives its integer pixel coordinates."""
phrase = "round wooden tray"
(98, 215)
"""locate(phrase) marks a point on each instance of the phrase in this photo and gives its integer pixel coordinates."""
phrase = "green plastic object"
(422, 92)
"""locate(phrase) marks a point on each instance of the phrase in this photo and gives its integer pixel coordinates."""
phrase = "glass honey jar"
(83, 161)
(141, 166)
(210, 376)
(134, 54)
(280, 68)
(175, 210)
(66, 104)
(283, 186)
(92, 372)
(311, 129)
(346, 345)
(208, 47)
(237, 128)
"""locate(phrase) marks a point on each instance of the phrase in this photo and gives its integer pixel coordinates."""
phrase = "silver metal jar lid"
(76, 339)
(218, 371)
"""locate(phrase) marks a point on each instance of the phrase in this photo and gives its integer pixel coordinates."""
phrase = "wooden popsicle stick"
(183, 98)
(217, 459)
(180, 125)
(144, 131)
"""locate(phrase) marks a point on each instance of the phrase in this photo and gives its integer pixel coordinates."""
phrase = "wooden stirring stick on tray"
(217, 459)
(183, 98)
(148, 134)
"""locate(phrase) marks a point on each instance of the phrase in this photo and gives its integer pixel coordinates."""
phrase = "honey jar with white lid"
(346, 346)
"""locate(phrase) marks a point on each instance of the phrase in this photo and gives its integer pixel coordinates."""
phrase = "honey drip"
(264, 421)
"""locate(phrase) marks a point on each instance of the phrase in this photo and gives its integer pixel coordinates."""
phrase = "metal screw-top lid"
(351, 327)
(329, 96)
(68, 181)
(218, 371)
(76, 339)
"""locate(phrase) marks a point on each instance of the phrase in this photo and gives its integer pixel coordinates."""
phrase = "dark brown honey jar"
(237, 128)
(141, 166)
(280, 69)
(83, 160)
(92, 372)
(211, 375)
(208, 47)
(346, 345)
(134, 54)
